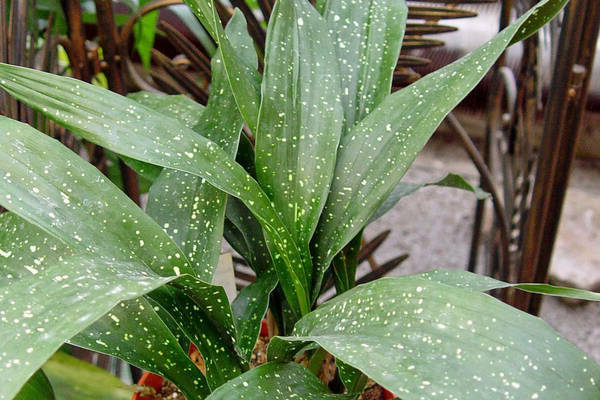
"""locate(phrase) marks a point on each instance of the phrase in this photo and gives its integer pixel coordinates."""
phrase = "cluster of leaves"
(81, 263)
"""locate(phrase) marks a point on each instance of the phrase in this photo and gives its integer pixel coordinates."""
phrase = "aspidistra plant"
(81, 263)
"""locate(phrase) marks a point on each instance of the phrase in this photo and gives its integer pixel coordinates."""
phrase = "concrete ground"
(434, 227)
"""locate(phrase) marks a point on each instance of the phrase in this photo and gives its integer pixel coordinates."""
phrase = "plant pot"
(148, 379)
(156, 381)
(388, 395)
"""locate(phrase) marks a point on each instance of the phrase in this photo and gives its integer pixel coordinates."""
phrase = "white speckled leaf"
(404, 189)
(468, 280)
(353, 379)
(368, 36)
(39, 250)
(25, 250)
(241, 71)
(176, 106)
(276, 381)
(422, 339)
(41, 311)
(218, 347)
(374, 156)
(188, 208)
(128, 128)
(343, 266)
(52, 187)
(134, 332)
(249, 308)
(123, 322)
(300, 119)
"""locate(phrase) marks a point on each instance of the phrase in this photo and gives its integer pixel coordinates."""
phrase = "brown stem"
(112, 51)
(76, 53)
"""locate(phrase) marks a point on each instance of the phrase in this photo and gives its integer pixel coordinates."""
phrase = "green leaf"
(275, 381)
(250, 240)
(458, 182)
(344, 265)
(145, 170)
(245, 155)
(118, 333)
(177, 106)
(404, 189)
(133, 331)
(244, 234)
(368, 39)
(52, 187)
(45, 309)
(191, 212)
(135, 131)
(144, 32)
(300, 119)
(26, 250)
(249, 308)
(189, 208)
(37, 388)
(186, 16)
(422, 339)
(195, 319)
(353, 379)
(73, 379)
(242, 74)
(468, 280)
(128, 128)
(374, 156)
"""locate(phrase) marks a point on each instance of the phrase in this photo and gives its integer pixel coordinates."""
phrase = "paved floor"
(434, 227)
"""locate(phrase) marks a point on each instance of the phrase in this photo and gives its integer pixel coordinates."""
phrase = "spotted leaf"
(371, 33)
(276, 381)
(176, 106)
(374, 156)
(468, 280)
(41, 311)
(218, 348)
(343, 267)
(423, 339)
(134, 332)
(353, 379)
(368, 36)
(130, 129)
(249, 307)
(52, 187)
(240, 69)
(25, 250)
(189, 209)
(300, 119)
